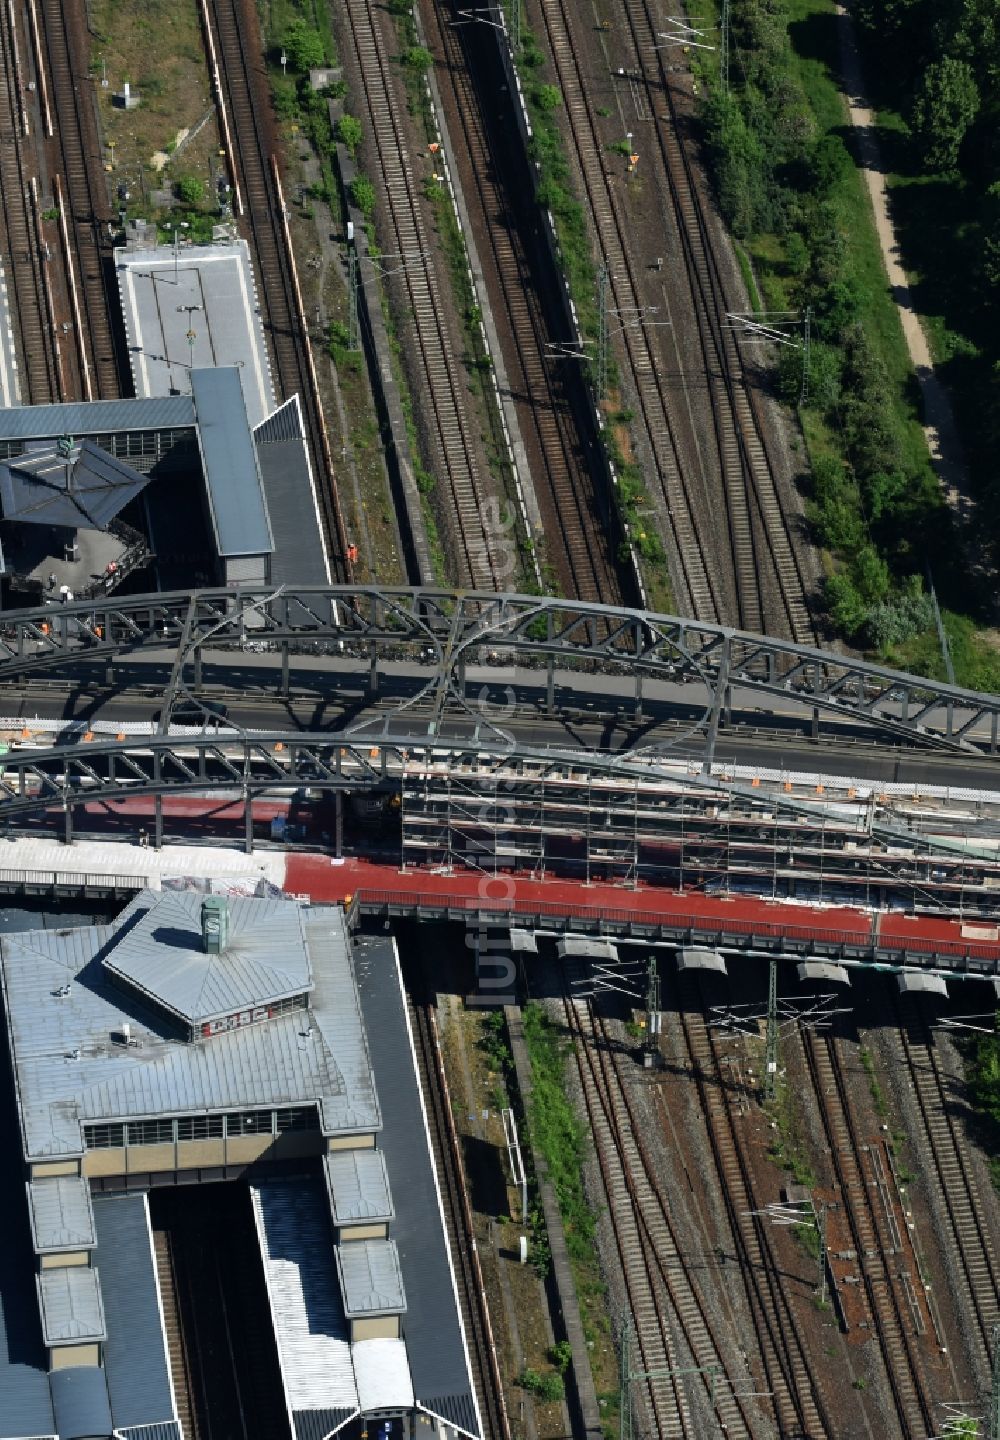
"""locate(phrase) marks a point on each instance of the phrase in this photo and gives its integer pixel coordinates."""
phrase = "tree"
(303, 45)
(946, 103)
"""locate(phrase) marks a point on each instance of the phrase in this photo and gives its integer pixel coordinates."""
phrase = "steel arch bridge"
(440, 633)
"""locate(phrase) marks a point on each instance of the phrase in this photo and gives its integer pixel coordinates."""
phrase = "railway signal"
(799, 1212)
(815, 1013)
(629, 317)
(482, 15)
(777, 327)
(690, 37)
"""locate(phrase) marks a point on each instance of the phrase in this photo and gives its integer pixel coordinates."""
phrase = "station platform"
(194, 308)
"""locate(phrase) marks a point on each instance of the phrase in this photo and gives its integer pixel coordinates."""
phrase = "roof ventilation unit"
(214, 924)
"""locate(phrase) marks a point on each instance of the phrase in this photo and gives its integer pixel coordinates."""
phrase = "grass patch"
(787, 1148)
(877, 1094)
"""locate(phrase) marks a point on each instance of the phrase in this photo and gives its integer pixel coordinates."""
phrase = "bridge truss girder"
(489, 809)
(456, 629)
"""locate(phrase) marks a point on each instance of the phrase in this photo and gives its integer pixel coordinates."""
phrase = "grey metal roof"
(62, 1010)
(135, 1357)
(161, 955)
(435, 1343)
(229, 460)
(166, 1430)
(25, 1398)
(370, 1279)
(285, 423)
(70, 1303)
(357, 1186)
(62, 1217)
(80, 1402)
(300, 555)
(318, 1424)
(296, 1244)
(84, 491)
(96, 417)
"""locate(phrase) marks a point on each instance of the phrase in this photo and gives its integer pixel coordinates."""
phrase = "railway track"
(20, 239)
(872, 1237)
(799, 1407)
(943, 1147)
(80, 195)
(218, 1326)
(671, 459)
(236, 42)
(177, 1350)
(672, 1326)
(461, 1240)
(761, 539)
(576, 528)
(410, 248)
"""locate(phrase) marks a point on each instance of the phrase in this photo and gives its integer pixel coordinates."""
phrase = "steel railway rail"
(178, 1356)
(873, 1245)
(703, 590)
(219, 1324)
(576, 530)
(411, 256)
(799, 1406)
(672, 1324)
(19, 238)
(760, 527)
(235, 34)
(84, 200)
(461, 1240)
(943, 1147)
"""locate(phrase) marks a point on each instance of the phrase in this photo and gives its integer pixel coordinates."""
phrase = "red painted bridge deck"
(329, 880)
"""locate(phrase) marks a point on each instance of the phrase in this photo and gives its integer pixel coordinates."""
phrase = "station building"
(201, 478)
(194, 1041)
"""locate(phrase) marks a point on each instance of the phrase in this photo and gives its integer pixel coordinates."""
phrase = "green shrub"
(363, 195)
(417, 58)
(349, 132)
(560, 1355)
(547, 97)
(548, 1387)
(190, 190)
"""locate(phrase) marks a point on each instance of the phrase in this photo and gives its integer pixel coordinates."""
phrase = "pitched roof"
(162, 956)
(357, 1186)
(62, 1009)
(62, 1217)
(70, 1304)
(370, 1278)
(82, 490)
